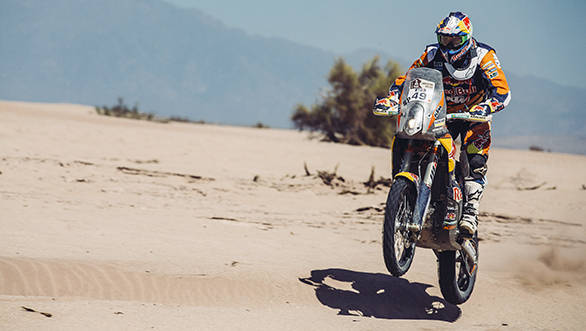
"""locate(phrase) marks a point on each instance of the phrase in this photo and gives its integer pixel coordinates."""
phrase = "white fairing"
(422, 95)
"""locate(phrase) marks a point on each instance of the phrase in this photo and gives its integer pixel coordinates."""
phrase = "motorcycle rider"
(474, 82)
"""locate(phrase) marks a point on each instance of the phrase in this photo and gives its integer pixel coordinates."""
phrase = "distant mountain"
(171, 61)
(358, 57)
(176, 61)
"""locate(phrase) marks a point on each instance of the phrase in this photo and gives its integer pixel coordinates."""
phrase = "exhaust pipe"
(468, 248)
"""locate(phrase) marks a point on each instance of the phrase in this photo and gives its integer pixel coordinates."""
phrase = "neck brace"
(467, 72)
(470, 69)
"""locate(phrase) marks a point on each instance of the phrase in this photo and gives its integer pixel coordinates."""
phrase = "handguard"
(385, 107)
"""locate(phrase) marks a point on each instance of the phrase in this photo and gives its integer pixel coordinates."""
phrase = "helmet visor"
(451, 42)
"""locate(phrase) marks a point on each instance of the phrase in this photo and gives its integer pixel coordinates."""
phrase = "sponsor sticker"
(493, 73)
(496, 60)
(488, 66)
(439, 123)
(457, 194)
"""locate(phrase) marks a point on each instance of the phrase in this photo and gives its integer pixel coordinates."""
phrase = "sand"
(121, 224)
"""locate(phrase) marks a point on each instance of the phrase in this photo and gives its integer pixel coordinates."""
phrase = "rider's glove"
(481, 110)
(387, 106)
(394, 95)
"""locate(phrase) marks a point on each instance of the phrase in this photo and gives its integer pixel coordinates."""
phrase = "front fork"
(424, 194)
(422, 205)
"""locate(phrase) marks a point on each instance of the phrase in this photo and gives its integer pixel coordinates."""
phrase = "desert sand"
(119, 224)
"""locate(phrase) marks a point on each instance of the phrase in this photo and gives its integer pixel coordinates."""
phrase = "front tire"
(398, 248)
(455, 277)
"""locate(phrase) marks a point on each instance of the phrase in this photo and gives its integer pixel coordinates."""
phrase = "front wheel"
(398, 248)
(456, 275)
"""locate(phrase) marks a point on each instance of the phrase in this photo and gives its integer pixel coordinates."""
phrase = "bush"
(345, 112)
(122, 110)
(260, 125)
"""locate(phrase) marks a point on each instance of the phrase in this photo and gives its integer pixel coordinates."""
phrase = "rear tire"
(398, 248)
(455, 283)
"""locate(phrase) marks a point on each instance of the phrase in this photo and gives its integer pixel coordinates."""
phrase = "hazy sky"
(542, 38)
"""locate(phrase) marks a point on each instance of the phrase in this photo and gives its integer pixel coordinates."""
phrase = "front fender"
(411, 177)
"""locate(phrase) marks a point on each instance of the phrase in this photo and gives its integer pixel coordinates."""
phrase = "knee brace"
(478, 165)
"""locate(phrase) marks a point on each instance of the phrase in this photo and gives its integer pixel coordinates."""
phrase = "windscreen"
(421, 101)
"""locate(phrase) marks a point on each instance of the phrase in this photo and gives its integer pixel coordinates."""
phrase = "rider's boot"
(474, 191)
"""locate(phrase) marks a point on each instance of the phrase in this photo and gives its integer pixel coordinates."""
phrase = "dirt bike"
(425, 201)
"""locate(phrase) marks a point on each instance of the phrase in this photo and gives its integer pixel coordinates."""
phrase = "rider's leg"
(477, 144)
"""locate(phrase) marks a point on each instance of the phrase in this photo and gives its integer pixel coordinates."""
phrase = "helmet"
(454, 35)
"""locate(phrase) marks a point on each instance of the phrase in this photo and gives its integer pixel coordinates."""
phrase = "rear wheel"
(456, 275)
(398, 248)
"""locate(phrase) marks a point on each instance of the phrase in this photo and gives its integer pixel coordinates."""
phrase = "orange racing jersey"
(484, 83)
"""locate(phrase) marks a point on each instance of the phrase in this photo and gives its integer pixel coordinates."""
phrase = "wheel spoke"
(462, 274)
(400, 235)
(399, 247)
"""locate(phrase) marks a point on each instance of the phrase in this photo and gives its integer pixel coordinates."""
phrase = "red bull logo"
(452, 154)
(459, 91)
(467, 24)
(457, 194)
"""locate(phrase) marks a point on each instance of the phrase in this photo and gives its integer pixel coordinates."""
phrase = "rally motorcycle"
(426, 199)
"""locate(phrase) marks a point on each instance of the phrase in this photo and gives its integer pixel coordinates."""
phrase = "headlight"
(414, 124)
(411, 127)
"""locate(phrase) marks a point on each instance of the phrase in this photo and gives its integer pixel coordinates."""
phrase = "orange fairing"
(439, 106)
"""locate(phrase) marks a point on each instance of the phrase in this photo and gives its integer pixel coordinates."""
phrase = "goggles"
(451, 42)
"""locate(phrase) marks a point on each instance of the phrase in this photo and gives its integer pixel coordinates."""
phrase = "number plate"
(420, 90)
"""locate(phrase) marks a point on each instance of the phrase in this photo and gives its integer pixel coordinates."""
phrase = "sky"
(540, 38)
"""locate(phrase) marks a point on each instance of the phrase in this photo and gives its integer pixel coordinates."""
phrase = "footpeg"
(412, 227)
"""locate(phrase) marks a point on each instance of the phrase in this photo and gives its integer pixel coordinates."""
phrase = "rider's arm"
(499, 93)
(422, 61)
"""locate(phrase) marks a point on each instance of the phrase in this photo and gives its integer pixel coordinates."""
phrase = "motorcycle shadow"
(379, 295)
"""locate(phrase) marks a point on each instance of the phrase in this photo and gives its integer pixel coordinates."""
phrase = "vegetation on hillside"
(344, 114)
(122, 110)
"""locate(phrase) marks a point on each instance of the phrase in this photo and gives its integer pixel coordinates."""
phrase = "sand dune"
(125, 224)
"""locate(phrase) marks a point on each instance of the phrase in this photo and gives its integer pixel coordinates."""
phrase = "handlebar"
(468, 117)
